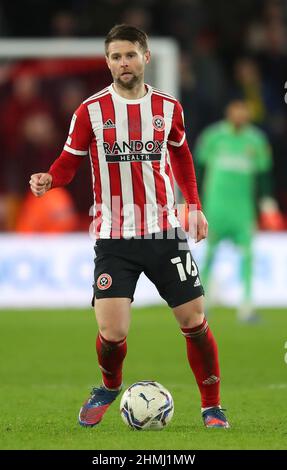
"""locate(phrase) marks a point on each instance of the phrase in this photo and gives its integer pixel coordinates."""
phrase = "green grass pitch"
(48, 365)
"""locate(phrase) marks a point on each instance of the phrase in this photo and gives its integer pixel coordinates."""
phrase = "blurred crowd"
(228, 50)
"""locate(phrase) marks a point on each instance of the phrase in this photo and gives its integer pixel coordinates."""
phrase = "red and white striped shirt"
(127, 142)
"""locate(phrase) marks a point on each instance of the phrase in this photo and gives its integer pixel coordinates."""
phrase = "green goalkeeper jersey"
(232, 159)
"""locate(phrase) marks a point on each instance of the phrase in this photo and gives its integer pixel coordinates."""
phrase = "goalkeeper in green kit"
(234, 161)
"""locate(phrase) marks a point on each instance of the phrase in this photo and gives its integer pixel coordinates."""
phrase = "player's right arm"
(66, 165)
(183, 171)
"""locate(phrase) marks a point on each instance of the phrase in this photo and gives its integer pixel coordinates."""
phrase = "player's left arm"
(184, 173)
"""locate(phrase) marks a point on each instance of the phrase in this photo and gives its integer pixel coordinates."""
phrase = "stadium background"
(225, 49)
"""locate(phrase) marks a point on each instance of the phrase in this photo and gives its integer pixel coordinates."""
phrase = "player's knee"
(190, 314)
(193, 320)
(110, 334)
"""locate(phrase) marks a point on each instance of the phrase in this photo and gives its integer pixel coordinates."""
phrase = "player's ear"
(108, 61)
(147, 57)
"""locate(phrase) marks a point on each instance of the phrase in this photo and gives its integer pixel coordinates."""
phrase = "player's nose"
(124, 62)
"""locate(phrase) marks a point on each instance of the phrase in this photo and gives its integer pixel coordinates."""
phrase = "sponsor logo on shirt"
(134, 151)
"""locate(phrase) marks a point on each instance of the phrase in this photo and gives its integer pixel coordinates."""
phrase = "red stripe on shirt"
(139, 194)
(157, 110)
(110, 136)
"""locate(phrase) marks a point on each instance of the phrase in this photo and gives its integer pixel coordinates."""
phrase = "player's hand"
(40, 183)
(270, 217)
(273, 221)
(198, 225)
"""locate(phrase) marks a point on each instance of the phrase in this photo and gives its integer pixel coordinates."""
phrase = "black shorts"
(166, 261)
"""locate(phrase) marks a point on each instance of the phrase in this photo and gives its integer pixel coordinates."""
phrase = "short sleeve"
(176, 136)
(80, 133)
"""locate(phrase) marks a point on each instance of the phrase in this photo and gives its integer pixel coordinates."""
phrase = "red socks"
(201, 352)
(203, 359)
(111, 355)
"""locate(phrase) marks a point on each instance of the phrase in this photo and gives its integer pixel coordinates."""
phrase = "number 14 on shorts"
(189, 269)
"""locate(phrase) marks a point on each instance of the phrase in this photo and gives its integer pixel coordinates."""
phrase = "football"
(146, 405)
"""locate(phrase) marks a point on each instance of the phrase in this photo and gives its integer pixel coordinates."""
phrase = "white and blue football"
(146, 405)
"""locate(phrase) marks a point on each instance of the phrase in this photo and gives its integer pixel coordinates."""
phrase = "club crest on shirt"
(104, 281)
(158, 123)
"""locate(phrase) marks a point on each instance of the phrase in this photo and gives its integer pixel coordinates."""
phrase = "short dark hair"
(125, 32)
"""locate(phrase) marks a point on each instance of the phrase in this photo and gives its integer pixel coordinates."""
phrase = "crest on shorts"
(158, 123)
(104, 281)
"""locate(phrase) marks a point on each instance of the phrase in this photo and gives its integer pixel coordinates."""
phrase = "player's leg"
(116, 275)
(202, 354)
(113, 318)
(216, 233)
(175, 274)
(245, 310)
(206, 270)
(115, 281)
(211, 248)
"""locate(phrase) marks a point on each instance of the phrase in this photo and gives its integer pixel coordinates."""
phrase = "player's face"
(238, 113)
(126, 62)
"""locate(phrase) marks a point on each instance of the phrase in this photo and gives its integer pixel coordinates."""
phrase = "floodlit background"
(51, 58)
